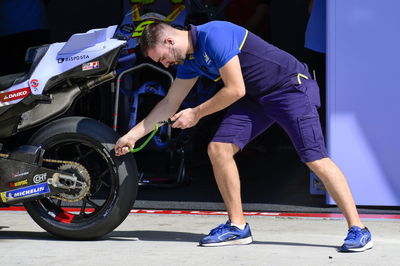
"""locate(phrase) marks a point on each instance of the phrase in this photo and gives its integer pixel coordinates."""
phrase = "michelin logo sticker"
(25, 192)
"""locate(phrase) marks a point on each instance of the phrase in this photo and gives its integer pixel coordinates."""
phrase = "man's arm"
(232, 91)
(162, 111)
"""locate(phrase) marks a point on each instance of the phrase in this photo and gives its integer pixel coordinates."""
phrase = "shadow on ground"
(156, 236)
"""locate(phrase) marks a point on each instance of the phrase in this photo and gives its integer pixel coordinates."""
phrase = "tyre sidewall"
(124, 167)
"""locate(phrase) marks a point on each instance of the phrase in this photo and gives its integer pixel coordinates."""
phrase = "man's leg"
(336, 184)
(301, 122)
(242, 123)
(227, 178)
(358, 237)
(235, 231)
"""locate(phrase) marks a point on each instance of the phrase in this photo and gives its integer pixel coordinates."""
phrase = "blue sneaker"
(226, 234)
(357, 240)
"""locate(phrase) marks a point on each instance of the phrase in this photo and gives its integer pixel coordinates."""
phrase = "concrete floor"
(153, 239)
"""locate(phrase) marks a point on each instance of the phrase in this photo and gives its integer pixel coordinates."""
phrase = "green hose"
(147, 140)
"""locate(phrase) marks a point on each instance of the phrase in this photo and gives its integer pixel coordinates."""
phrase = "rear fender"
(81, 51)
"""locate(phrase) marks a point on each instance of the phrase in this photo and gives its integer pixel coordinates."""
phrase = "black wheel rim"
(104, 180)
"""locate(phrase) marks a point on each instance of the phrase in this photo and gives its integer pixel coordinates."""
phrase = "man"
(262, 85)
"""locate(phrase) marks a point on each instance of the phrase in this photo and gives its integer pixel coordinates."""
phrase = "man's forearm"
(233, 90)
(165, 108)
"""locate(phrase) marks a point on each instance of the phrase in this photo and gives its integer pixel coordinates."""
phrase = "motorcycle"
(70, 160)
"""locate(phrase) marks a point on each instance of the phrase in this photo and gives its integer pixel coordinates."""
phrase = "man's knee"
(221, 151)
(318, 165)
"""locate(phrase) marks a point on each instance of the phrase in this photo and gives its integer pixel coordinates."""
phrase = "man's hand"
(123, 144)
(185, 118)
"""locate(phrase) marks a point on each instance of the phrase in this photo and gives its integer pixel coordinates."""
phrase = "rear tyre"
(113, 187)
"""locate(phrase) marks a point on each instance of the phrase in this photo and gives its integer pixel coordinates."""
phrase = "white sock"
(241, 227)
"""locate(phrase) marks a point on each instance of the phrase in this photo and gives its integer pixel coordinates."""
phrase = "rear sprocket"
(77, 194)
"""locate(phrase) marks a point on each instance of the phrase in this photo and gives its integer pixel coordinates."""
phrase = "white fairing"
(79, 49)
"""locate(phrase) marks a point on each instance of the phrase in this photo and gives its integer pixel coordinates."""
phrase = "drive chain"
(83, 170)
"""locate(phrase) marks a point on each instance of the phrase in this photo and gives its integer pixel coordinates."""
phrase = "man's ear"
(169, 40)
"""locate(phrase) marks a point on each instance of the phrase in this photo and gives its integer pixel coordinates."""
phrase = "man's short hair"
(152, 35)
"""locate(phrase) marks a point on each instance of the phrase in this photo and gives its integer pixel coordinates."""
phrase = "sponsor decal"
(39, 178)
(25, 192)
(34, 83)
(206, 58)
(175, 13)
(90, 65)
(127, 28)
(19, 174)
(120, 36)
(19, 183)
(140, 28)
(14, 95)
(137, 4)
(72, 58)
(136, 12)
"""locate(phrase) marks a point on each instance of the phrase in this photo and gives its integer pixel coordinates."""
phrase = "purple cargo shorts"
(293, 107)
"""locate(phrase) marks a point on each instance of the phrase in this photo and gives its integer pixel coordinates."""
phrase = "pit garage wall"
(363, 97)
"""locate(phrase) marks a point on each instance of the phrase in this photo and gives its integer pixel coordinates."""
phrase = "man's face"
(167, 54)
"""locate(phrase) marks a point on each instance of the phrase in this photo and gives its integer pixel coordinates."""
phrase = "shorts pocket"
(313, 93)
(310, 131)
(311, 89)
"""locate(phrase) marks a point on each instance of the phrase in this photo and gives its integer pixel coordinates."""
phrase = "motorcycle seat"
(33, 56)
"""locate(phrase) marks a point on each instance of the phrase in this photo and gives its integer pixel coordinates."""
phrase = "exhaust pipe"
(97, 81)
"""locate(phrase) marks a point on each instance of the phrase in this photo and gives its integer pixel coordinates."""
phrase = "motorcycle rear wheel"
(113, 180)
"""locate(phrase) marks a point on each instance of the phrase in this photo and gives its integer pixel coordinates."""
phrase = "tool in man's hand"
(156, 126)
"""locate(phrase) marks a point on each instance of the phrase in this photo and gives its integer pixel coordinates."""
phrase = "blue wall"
(363, 97)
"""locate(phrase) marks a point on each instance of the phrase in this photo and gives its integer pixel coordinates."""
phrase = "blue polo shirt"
(264, 66)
